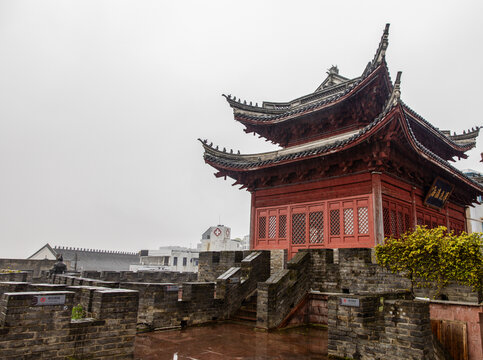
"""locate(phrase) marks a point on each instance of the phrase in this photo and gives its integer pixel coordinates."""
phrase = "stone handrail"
(282, 291)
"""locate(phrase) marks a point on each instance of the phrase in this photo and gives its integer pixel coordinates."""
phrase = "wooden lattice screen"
(345, 222)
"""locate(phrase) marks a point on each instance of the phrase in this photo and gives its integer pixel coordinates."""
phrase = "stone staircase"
(247, 314)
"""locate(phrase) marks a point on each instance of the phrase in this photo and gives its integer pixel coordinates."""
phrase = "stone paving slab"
(232, 341)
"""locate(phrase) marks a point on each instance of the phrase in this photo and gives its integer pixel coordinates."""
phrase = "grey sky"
(101, 103)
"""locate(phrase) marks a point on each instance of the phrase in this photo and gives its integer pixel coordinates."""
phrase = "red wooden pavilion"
(356, 164)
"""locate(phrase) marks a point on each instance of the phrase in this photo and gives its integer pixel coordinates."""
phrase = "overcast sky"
(101, 103)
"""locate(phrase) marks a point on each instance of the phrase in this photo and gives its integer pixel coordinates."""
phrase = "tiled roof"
(449, 140)
(273, 111)
(316, 148)
(237, 162)
(436, 159)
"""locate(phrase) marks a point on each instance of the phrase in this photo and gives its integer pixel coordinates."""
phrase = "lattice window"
(316, 227)
(393, 222)
(334, 222)
(400, 223)
(262, 227)
(349, 221)
(282, 226)
(363, 220)
(272, 227)
(298, 228)
(407, 223)
(387, 222)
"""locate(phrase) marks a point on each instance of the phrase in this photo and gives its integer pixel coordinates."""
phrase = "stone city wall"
(278, 260)
(356, 273)
(196, 306)
(164, 305)
(34, 267)
(287, 297)
(237, 283)
(313, 309)
(214, 263)
(141, 276)
(283, 291)
(48, 332)
(170, 304)
(382, 327)
(21, 276)
(18, 286)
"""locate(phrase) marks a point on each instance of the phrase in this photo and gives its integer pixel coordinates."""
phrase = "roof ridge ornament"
(383, 44)
(396, 91)
(333, 70)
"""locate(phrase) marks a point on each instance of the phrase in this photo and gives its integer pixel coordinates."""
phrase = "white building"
(168, 258)
(217, 238)
(474, 215)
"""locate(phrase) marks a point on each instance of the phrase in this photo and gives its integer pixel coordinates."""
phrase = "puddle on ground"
(232, 342)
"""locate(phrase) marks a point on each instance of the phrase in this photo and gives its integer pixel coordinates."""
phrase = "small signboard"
(43, 300)
(439, 192)
(172, 288)
(349, 302)
(234, 280)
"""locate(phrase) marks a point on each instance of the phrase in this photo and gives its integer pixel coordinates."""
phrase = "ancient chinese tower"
(357, 164)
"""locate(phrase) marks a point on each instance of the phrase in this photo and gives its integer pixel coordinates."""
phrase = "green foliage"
(78, 312)
(8, 271)
(434, 256)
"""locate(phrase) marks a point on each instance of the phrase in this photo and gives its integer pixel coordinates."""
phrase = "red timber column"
(377, 206)
(252, 221)
(413, 207)
(446, 208)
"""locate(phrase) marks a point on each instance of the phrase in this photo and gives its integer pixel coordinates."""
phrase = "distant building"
(78, 259)
(217, 238)
(474, 215)
(168, 258)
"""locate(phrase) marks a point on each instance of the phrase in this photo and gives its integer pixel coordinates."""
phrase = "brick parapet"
(238, 283)
(214, 263)
(47, 332)
(384, 326)
(19, 276)
(282, 291)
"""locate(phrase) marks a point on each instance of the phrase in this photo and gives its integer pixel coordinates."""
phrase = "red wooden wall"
(339, 213)
(333, 213)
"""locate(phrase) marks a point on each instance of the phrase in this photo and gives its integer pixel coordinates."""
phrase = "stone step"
(246, 318)
(251, 314)
(249, 309)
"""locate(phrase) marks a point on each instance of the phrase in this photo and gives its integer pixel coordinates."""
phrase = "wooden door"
(453, 336)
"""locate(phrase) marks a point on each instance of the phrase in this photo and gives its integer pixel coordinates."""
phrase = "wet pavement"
(232, 341)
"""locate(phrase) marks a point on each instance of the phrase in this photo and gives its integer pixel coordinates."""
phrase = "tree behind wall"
(434, 256)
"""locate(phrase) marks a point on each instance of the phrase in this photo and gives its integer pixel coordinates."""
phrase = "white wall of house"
(474, 218)
(169, 258)
(218, 238)
(43, 253)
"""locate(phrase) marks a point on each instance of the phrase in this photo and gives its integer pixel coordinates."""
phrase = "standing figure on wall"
(59, 267)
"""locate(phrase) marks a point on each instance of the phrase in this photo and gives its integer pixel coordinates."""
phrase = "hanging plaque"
(438, 193)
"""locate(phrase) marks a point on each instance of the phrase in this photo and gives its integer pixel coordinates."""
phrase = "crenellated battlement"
(39, 323)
